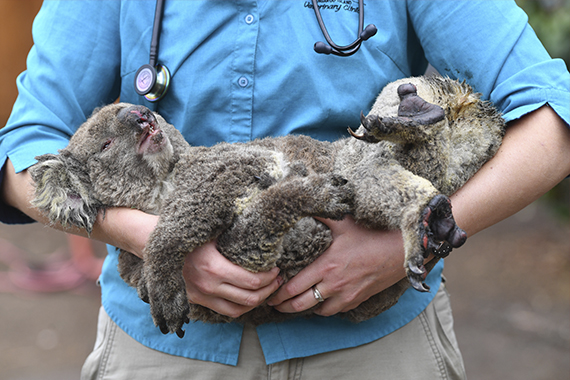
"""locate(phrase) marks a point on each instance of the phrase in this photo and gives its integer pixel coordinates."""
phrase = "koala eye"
(106, 144)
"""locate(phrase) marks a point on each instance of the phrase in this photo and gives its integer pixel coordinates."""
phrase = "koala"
(422, 140)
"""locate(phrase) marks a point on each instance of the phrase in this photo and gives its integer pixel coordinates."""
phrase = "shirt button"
(249, 19)
(243, 81)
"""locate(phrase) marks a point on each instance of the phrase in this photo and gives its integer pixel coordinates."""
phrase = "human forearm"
(121, 227)
(534, 157)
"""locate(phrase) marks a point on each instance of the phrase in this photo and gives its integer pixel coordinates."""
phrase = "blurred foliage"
(551, 21)
(558, 201)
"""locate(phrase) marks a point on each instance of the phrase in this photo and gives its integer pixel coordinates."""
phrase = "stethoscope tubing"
(356, 43)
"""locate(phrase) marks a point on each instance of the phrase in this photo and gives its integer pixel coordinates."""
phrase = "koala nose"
(138, 117)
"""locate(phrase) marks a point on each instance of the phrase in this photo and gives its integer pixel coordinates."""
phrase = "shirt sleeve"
(73, 67)
(491, 45)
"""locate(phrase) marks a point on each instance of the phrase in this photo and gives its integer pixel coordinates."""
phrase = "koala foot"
(413, 112)
(438, 234)
(169, 305)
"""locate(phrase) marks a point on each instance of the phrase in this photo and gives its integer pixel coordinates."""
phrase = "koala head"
(123, 137)
(121, 156)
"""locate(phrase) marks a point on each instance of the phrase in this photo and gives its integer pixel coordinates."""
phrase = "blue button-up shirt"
(247, 69)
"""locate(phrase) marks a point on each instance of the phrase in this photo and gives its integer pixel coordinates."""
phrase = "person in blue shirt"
(243, 70)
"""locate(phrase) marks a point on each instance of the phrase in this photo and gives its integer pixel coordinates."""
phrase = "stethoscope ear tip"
(368, 32)
(322, 48)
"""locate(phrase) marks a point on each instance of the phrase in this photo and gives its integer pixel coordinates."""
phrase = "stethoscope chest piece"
(152, 82)
(153, 79)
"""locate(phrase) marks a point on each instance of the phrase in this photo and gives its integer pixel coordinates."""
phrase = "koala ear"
(63, 191)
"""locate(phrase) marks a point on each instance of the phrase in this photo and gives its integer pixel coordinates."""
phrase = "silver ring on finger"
(317, 294)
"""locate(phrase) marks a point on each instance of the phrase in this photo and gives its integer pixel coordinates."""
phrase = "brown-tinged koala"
(422, 140)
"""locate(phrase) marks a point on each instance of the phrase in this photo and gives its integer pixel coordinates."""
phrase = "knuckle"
(255, 282)
(331, 267)
(205, 288)
(253, 300)
(349, 298)
(289, 289)
(298, 306)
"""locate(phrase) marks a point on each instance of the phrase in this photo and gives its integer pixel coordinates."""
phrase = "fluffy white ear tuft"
(63, 191)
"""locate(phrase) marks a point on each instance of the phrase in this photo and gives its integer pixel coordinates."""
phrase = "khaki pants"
(425, 348)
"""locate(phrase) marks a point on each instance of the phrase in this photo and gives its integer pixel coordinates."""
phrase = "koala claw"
(417, 269)
(367, 125)
(417, 273)
(163, 328)
(420, 286)
(169, 309)
(169, 322)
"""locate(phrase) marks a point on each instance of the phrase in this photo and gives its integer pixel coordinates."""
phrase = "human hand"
(211, 280)
(218, 284)
(359, 263)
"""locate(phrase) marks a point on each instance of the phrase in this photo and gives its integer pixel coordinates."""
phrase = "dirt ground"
(509, 286)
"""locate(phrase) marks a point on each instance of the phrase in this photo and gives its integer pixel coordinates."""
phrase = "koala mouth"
(152, 138)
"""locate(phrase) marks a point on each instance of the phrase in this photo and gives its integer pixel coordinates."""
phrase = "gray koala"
(422, 140)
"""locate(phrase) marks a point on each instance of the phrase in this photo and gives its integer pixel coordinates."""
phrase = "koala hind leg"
(438, 234)
(253, 239)
(388, 196)
(182, 227)
(163, 287)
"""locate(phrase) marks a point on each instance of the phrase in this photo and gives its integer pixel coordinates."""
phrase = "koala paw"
(336, 196)
(169, 305)
(438, 234)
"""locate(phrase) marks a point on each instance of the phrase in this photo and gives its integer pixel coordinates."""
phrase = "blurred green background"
(551, 21)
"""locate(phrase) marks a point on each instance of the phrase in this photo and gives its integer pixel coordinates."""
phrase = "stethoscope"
(347, 50)
(153, 79)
